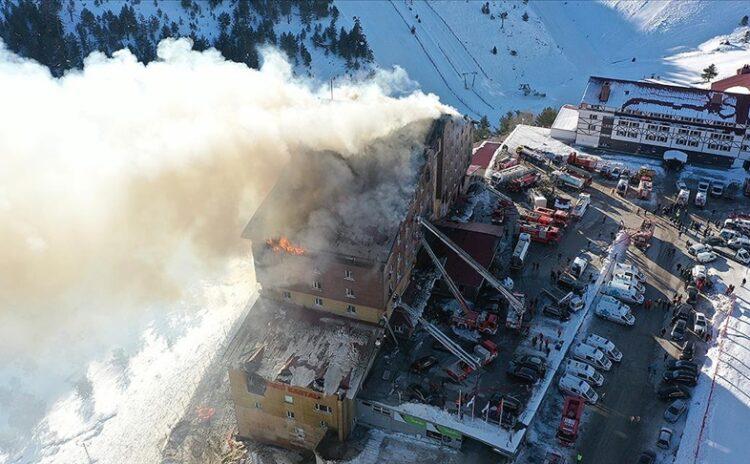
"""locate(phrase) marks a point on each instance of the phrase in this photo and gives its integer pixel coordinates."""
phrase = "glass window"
(288, 399)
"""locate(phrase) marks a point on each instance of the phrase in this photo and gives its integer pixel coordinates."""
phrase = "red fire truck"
(587, 162)
(562, 218)
(522, 183)
(567, 432)
(540, 233)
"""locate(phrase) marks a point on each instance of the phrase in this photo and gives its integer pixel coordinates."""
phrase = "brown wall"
(269, 422)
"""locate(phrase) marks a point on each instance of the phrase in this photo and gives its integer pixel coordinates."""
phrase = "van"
(591, 355)
(700, 199)
(572, 385)
(630, 281)
(738, 242)
(623, 292)
(584, 372)
(519, 253)
(632, 269)
(606, 346)
(622, 187)
(683, 198)
(729, 234)
(622, 318)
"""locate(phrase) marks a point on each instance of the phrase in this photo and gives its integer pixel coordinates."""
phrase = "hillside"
(482, 58)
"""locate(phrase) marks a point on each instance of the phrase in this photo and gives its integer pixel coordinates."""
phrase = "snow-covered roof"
(567, 118)
(667, 101)
(305, 348)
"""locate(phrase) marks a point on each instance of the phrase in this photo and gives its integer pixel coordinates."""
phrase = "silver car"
(675, 411)
(665, 438)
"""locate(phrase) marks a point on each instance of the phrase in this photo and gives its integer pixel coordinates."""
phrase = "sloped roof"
(482, 155)
(668, 100)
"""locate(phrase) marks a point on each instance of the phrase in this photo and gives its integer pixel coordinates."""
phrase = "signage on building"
(295, 390)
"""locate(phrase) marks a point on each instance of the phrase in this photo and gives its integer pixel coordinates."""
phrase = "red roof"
(480, 245)
(483, 155)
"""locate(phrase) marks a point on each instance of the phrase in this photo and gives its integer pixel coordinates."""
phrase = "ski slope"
(561, 44)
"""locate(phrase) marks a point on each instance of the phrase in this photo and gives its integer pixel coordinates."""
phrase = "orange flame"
(282, 244)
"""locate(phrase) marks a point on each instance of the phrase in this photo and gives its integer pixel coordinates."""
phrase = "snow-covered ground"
(554, 51)
(715, 432)
(130, 398)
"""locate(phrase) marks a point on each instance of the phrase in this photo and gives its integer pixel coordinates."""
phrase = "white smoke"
(123, 183)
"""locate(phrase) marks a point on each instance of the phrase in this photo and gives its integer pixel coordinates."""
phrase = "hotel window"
(351, 309)
(348, 275)
(258, 405)
(317, 285)
(592, 126)
(323, 408)
(287, 295)
(323, 424)
(289, 415)
(288, 399)
(594, 116)
(349, 293)
(318, 301)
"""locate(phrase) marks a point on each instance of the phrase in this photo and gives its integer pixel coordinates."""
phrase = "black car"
(571, 284)
(647, 457)
(686, 365)
(678, 331)
(535, 363)
(680, 377)
(688, 351)
(522, 373)
(423, 364)
(713, 240)
(672, 392)
(556, 312)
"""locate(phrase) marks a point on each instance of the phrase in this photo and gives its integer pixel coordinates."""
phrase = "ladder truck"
(469, 319)
(516, 306)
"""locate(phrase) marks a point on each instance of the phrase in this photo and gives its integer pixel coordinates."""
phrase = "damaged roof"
(304, 348)
(482, 156)
(669, 101)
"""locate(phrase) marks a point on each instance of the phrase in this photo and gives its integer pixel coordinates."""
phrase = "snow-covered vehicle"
(583, 371)
(739, 242)
(700, 324)
(623, 268)
(623, 292)
(697, 248)
(706, 257)
(606, 346)
(683, 198)
(572, 385)
(591, 355)
(742, 256)
(630, 281)
(613, 310)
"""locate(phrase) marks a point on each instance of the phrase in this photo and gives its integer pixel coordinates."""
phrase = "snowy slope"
(560, 45)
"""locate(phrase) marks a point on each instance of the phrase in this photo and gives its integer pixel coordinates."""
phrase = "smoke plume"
(121, 182)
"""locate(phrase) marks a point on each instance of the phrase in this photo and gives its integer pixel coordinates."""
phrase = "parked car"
(703, 185)
(571, 284)
(556, 312)
(697, 248)
(677, 364)
(681, 185)
(647, 457)
(536, 363)
(675, 411)
(700, 324)
(714, 240)
(664, 440)
(742, 256)
(680, 377)
(423, 364)
(717, 188)
(523, 374)
(574, 386)
(678, 331)
(706, 257)
(672, 392)
(739, 242)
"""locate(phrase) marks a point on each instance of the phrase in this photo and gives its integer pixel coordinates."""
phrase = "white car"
(570, 384)
(629, 280)
(681, 185)
(697, 248)
(703, 185)
(706, 257)
(700, 325)
(717, 188)
(606, 346)
(622, 268)
(738, 242)
(742, 256)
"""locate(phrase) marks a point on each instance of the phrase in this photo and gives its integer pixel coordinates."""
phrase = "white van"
(683, 197)
(613, 310)
(572, 385)
(623, 292)
(738, 242)
(622, 268)
(578, 267)
(629, 280)
(606, 346)
(584, 371)
(700, 199)
(591, 355)
(729, 234)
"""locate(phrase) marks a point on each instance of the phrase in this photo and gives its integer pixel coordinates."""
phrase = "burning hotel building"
(334, 244)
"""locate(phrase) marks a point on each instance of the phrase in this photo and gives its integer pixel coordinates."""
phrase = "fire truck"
(567, 431)
(522, 183)
(485, 353)
(645, 187)
(534, 217)
(540, 233)
(562, 218)
(642, 238)
(587, 162)
(459, 370)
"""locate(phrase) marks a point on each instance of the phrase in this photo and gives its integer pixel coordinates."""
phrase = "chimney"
(604, 93)
(745, 69)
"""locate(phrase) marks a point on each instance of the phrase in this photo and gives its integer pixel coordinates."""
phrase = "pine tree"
(525, 16)
(503, 17)
(744, 21)
(494, 50)
(709, 73)
(546, 117)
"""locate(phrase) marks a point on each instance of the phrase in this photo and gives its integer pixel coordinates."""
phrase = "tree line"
(35, 29)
